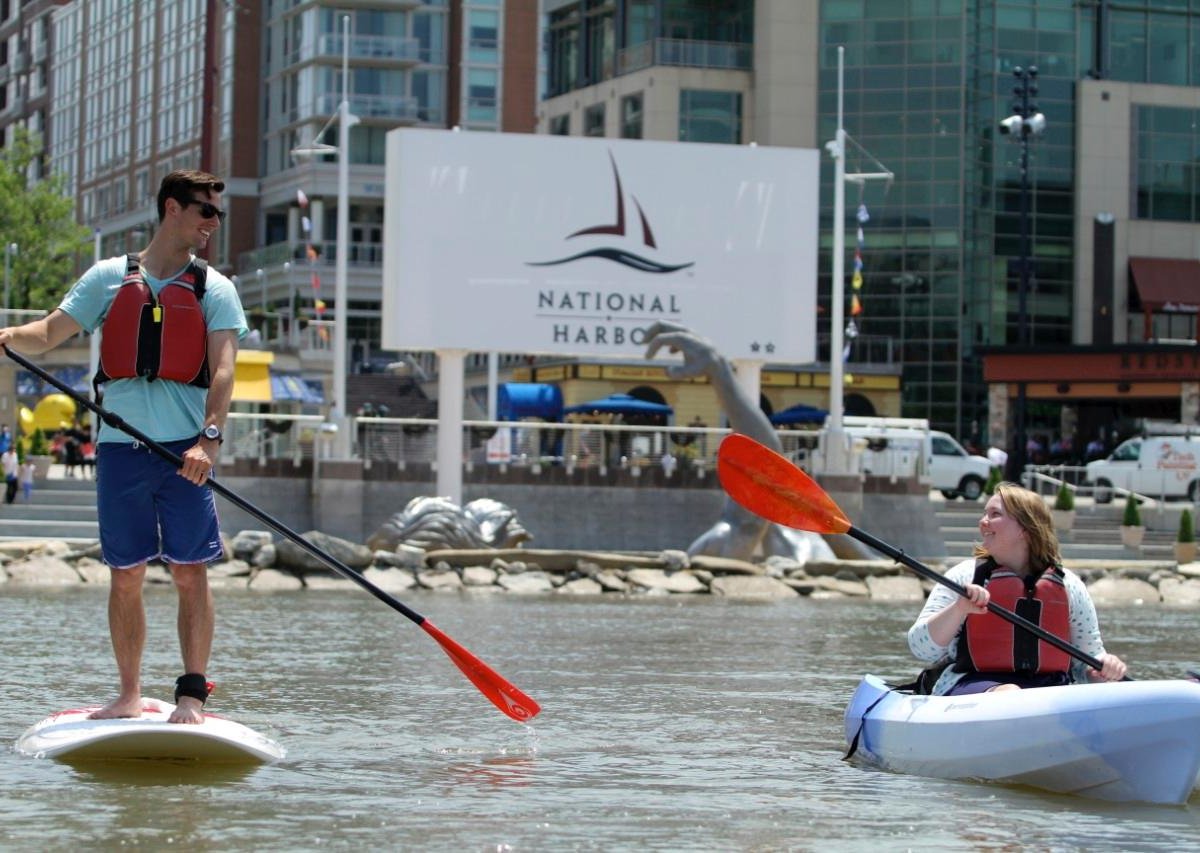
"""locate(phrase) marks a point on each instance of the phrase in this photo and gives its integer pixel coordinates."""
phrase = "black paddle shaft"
(1020, 621)
(117, 422)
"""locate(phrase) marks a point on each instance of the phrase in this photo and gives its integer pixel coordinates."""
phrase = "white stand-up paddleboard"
(71, 736)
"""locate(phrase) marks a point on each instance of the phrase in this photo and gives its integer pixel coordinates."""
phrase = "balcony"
(296, 253)
(387, 49)
(376, 51)
(686, 53)
(396, 110)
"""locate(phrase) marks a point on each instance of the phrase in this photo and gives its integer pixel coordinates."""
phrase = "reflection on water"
(144, 773)
(667, 724)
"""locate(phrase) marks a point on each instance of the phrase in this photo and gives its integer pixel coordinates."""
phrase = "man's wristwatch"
(213, 433)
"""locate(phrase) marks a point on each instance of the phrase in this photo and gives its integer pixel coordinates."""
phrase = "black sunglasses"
(207, 209)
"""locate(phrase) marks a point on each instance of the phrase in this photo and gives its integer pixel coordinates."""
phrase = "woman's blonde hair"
(1028, 510)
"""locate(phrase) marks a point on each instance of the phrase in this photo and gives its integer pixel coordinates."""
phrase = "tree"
(37, 215)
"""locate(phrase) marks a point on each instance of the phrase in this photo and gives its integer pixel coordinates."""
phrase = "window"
(564, 51)
(710, 116)
(600, 41)
(631, 116)
(484, 38)
(593, 120)
(560, 125)
(481, 95)
(1166, 178)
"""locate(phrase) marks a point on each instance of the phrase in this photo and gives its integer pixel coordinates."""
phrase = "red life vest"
(163, 338)
(988, 643)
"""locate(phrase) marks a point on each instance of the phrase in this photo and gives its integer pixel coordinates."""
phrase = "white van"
(1156, 466)
(905, 447)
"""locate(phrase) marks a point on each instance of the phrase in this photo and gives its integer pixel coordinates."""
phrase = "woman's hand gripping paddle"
(490, 683)
(770, 486)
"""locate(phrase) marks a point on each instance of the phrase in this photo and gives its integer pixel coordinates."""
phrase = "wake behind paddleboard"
(70, 736)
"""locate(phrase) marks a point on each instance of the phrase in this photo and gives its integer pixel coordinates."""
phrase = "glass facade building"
(926, 84)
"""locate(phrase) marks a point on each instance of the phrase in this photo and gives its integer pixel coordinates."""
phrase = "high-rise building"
(142, 88)
(244, 89)
(413, 63)
(25, 49)
(926, 85)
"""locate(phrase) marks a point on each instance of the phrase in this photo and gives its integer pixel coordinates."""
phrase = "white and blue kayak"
(1124, 741)
(71, 736)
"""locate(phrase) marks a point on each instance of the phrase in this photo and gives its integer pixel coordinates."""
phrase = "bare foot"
(189, 710)
(119, 708)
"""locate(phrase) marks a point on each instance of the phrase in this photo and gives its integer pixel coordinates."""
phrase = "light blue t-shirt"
(164, 410)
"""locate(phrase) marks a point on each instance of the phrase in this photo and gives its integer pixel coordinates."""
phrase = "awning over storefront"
(799, 414)
(1165, 285)
(252, 376)
(295, 388)
(517, 400)
(620, 404)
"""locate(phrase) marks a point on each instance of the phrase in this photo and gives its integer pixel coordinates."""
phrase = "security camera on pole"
(1025, 122)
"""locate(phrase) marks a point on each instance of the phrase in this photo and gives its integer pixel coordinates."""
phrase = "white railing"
(404, 442)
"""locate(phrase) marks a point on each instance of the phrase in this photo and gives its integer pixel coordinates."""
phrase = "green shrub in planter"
(38, 445)
(1133, 516)
(1187, 529)
(993, 480)
(1065, 499)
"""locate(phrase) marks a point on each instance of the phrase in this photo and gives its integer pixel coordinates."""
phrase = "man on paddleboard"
(170, 328)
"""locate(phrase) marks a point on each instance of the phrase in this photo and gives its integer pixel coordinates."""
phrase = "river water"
(667, 724)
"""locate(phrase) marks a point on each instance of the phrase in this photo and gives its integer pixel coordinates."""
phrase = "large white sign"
(575, 246)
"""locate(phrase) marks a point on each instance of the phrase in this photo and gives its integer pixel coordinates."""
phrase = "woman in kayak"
(1019, 568)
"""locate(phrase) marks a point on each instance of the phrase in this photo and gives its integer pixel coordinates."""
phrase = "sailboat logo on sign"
(618, 229)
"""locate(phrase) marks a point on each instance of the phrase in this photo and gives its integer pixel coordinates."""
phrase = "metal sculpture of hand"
(738, 532)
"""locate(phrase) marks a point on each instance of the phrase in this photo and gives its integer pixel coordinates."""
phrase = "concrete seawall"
(644, 513)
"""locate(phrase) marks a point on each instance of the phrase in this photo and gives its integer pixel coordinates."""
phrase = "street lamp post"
(340, 287)
(1025, 122)
(10, 249)
(341, 443)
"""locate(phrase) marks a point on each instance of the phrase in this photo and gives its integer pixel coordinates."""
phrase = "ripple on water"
(665, 726)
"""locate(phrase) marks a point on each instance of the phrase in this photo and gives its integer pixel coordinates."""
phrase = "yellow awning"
(252, 376)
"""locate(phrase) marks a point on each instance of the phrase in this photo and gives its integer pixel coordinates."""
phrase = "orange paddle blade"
(770, 486)
(491, 684)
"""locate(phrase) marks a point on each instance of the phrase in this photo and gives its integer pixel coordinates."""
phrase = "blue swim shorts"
(147, 510)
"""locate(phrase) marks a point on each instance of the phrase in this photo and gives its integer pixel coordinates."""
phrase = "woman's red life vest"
(163, 338)
(988, 643)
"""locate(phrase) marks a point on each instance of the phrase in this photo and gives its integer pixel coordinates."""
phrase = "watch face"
(212, 432)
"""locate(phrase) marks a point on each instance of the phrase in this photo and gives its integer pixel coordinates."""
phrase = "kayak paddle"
(490, 683)
(768, 485)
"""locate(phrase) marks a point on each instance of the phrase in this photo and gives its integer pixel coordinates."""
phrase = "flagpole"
(835, 437)
(836, 461)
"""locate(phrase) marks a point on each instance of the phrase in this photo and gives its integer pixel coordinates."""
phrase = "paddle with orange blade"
(498, 690)
(770, 486)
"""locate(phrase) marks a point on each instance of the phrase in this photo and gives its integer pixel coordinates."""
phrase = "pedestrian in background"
(11, 466)
(25, 476)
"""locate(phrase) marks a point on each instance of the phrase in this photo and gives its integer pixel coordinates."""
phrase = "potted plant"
(39, 454)
(1064, 508)
(1185, 539)
(993, 480)
(1132, 530)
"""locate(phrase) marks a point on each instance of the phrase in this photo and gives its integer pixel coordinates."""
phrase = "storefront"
(1088, 392)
